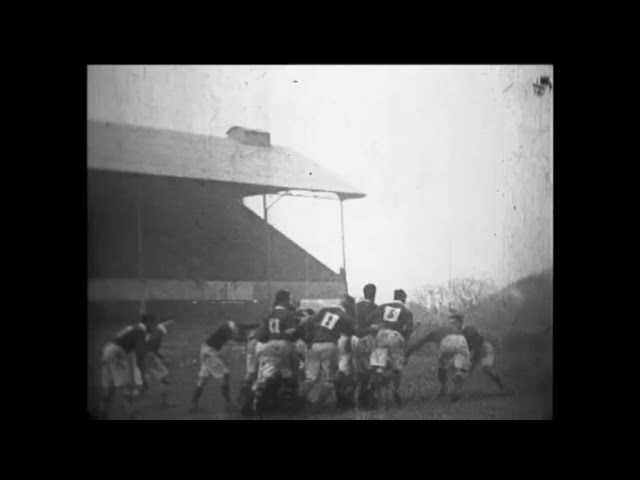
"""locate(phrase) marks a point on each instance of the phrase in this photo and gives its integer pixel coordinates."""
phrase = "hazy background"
(456, 161)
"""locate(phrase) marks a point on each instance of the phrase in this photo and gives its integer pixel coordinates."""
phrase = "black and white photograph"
(320, 242)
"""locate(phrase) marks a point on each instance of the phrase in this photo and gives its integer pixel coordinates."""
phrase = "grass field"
(526, 367)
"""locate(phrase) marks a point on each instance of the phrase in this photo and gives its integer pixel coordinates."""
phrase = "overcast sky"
(452, 158)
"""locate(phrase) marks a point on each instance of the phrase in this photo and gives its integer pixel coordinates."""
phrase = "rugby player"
(155, 365)
(212, 363)
(120, 359)
(481, 354)
(454, 355)
(275, 353)
(395, 323)
(323, 332)
(364, 346)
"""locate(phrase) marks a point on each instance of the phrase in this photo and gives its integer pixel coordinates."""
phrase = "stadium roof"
(264, 169)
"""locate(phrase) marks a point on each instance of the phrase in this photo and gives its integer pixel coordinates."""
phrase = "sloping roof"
(135, 149)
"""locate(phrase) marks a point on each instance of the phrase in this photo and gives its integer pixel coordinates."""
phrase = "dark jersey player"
(395, 323)
(275, 354)
(155, 365)
(366, 306)
(481, 354)
(323, 332)
(363, 347)
(454, 356)
(212, 363)
(121, 357)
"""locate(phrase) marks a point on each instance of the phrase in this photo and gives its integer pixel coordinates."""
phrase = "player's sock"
(225, 388)
(257, 403)
(340, 398)
(458, 381)
(442, 378)
(197, 392)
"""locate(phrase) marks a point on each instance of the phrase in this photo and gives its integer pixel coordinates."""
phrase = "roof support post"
(344, 255)
(142, 309)
(268, 241)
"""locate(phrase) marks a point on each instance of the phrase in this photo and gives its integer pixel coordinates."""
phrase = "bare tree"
(462, 293)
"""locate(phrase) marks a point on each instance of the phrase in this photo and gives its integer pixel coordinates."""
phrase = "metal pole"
(268, 235)
(451, 302)
(353, 354)
(143, 306)
(344, 255)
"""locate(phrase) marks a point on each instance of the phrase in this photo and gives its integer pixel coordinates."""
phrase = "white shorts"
(322, 359)
(487, 356)
(454, 354)
(388, 350)
(212, 364)
(154, 367)
(116, 370)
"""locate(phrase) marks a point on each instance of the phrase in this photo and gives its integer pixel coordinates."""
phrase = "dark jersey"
(131, 338)
(330, 323)
(474, 339)
(364, 309)
(277, 323)
(221, 336)
(394, 316)
(154, 339)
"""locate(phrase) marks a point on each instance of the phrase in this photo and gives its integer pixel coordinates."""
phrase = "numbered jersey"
(331, 323)
(276, 324)
(394, 316)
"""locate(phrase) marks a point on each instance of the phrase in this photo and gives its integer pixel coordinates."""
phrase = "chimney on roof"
(256, 138)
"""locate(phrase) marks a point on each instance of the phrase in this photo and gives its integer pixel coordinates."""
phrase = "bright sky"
(444, 154)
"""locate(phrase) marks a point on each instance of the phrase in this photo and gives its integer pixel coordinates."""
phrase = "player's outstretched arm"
(431, 337)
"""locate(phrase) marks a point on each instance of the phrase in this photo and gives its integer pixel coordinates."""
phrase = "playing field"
(526, 369)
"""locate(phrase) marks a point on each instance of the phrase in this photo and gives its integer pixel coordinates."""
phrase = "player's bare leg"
(197, 393)
(458, 381)
(345, 387)
(244, 396)
(397, 380)
(494, 377)
(226, 392)
(258, 398)
(442, 378)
